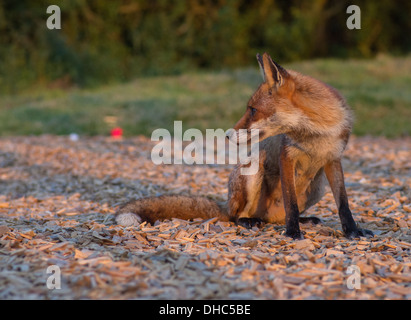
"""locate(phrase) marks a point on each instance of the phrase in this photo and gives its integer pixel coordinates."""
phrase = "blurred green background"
(146, 63)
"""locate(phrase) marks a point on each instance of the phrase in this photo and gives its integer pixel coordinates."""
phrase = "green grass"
(378, 90)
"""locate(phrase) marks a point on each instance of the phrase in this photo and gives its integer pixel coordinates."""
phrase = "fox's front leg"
(287, 172)
(335, 176)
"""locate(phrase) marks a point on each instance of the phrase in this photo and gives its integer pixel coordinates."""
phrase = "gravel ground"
(57, 199)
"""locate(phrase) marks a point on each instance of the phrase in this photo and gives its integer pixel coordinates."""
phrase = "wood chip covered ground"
(57, 199)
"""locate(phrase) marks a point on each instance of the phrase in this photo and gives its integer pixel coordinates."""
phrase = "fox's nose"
(229, 133)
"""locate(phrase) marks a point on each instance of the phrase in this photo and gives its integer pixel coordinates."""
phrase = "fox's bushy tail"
(166, 207)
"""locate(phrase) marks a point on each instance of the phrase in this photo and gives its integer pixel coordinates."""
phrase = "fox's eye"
(253, 111)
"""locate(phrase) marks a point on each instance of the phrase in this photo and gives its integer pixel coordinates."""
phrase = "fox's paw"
(359, 233)
(128, 219)
(296, 235)
(313, 220)
(250, 222)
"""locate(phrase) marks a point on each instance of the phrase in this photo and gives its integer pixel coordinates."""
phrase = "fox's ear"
(273, 73)
(261, 64)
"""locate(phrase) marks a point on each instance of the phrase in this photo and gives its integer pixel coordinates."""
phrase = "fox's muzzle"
(244, 136)
(230, 133)
(234, 136)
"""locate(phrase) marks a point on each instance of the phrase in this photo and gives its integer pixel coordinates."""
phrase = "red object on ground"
(116, 132)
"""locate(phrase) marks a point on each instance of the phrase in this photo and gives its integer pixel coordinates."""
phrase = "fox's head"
(270, 108)
(288, 102)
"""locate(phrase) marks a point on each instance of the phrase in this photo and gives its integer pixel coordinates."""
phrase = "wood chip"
(3, 230)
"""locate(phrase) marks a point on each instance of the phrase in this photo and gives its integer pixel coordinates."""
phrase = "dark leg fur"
(292, 212)
(335, 177)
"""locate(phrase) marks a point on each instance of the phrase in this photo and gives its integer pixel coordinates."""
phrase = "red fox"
(304, 126)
